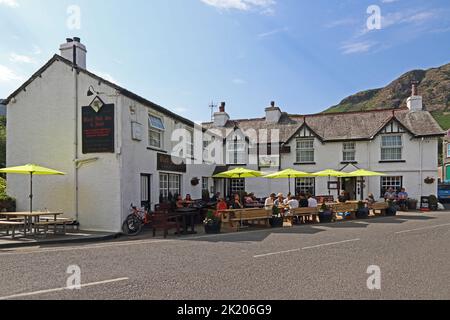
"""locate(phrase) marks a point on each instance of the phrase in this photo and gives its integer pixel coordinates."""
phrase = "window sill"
(237, 164)
(156, 149)
(392, 161)
(349, 162)
(304, 163)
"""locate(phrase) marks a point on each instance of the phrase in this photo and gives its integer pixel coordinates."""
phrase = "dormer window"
(305, 150)
(391, 148)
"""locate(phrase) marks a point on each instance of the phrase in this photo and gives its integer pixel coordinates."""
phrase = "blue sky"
(183, 54)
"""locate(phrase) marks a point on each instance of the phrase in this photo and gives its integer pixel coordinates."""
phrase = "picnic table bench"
(350, 207)
(379, 208)
(46, 222)
(233, 219)
(12, 225)
(302, 213)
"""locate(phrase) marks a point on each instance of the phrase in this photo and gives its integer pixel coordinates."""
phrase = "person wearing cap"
(280, 200)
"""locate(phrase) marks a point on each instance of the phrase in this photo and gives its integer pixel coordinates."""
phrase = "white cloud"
(245, 5)
(272, 32)
(8, 75)
(10, 3)
(17, 58)
(388, 1)
(357, 47)
(36, 50)
(180, 110)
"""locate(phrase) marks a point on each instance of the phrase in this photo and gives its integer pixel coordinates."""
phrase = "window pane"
(305, 185)
(305, 150)
(154, 138)
(390, 182)
(156, 122)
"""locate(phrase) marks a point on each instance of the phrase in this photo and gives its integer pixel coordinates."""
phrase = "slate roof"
(120, 89)
(363, 125)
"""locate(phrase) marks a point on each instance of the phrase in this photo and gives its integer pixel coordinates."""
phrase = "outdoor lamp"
(92, 91)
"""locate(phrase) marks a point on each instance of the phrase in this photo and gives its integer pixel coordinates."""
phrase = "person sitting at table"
(215, 197)
(390, 195)
(343, 197)
(249, 199)
(268, 205)
(279, 201)
(237, 202)
(221, 205)
(285, 202)
(370, 199)
(303, 200)
(179, 202)
(312, 203)
(292, 202)
(188, 199)
(402, 198)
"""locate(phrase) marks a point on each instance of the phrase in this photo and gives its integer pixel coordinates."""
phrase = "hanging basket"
(429, 180)
(195, 181)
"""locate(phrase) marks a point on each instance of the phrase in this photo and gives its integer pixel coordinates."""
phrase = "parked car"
(444, 192)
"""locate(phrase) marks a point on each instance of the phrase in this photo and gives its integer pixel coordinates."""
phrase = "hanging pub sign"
(98, 127)
(165, 163)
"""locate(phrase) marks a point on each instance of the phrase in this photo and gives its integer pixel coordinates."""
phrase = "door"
(349, 186)
(146, 189)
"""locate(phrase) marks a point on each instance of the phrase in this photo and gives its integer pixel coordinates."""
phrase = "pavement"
(411, 251)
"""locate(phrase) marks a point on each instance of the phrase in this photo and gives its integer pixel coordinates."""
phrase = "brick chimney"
(221, 118)
(74, 51)
(273, 113)
(415, 102)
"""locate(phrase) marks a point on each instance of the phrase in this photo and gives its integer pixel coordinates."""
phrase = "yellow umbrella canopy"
(31, 169)
(238, 173)
(364, 173)
(288, 174)
(330, 173)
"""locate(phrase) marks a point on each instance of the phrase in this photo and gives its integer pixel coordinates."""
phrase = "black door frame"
(146, 204)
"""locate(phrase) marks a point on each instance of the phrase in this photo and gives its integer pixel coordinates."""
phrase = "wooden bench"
(11, 225)
(232, 219)
(302, 213)
(379, 208)
(50, 221)
(345, 207)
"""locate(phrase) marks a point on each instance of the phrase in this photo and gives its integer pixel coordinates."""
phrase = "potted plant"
(325, 214)
(392, 209)
(363, 211)
(277, 220)
(412, 204)
(432, 203)
(212, 222)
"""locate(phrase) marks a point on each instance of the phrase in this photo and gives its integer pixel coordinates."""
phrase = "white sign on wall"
(136, 131)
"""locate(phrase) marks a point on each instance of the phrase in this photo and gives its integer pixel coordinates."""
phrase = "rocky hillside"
(434, 86)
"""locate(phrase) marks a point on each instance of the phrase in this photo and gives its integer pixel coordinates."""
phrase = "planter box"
(212, 228)
(276, 222)
(326, 217)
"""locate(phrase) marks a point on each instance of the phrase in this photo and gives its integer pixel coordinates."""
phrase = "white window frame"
(205, 184)
(158, 131)
(394, 148)
(169, 183)
(305, 185)
(237, 185)
(302, 149)
(387, 182)
(236, 151)
(349, 151)
(448, 150)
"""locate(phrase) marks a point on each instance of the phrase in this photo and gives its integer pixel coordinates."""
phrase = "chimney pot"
(222, 107)
(69, 40)
(272, 104)
(414, 88)
(77, 39)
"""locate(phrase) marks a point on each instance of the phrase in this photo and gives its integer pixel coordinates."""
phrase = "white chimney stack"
(273, 113)
(221, 118)
(415, 102)
(74, 51)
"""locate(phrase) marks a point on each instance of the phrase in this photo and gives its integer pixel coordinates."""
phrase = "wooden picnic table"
(30, 218)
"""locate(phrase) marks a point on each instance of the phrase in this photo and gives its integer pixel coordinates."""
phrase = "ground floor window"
(237, 186)
(169, 186)
(390, 182)
(305, 185)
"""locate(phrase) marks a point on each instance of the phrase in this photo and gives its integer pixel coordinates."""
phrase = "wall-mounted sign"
(136, 131)
(166, 162)
(98, 127)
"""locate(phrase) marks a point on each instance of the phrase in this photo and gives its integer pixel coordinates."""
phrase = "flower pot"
(362, 213)
(212, 227)
(412, 204)
(326, 217)
(276, 222)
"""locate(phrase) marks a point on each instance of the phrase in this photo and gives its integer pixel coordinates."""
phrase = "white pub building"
(117, 148)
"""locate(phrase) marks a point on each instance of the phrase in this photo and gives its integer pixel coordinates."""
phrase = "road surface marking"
(27, 294)
(424, 228)
(305, 248)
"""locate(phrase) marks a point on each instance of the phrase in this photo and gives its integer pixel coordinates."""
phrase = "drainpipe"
(75, 81)
(421, 167)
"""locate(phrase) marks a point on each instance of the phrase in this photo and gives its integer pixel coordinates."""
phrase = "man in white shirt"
(312, 203)
(293, 203)
(269, 202)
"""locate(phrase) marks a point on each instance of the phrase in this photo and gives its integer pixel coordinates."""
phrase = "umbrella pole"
(31, 192)
(329, 180)
(289, 181)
